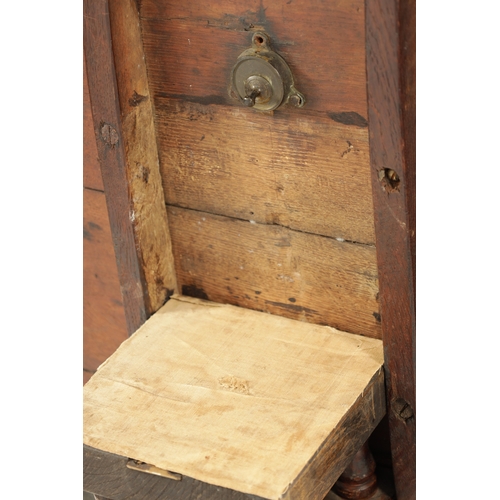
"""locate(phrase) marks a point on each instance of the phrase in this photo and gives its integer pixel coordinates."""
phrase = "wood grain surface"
(147, 202)
(275, 269)
(104, 324)
(311, 175)
(191, 47)
(391, 81)
(236, 398)
(110, 146)
(124, 128)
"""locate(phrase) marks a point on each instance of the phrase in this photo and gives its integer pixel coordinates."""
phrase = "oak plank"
(390, 29)
(110, 145)
(303, 172)
(191, 47)
(274, 269)
(248, 401)
(104, 323)
(147, 202)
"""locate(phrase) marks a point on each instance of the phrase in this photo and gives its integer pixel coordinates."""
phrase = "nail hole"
(389, 179)
(402, 410)
(259, 40)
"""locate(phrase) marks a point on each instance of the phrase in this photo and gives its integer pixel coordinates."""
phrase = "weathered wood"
(277, 270)
(248, 401)
(390, 73)
(110, 145)
(147, 202)
(191, 48)
(296, 170)
(107, 475)
(104, 324)
(91, 170)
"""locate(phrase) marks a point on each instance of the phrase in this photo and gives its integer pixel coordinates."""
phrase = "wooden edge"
(110, 146)
(147, 200)
(340, 447)
(390, 83)
(126, 141)
(106, 474)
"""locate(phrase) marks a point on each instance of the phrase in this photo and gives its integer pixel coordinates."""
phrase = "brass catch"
(151, 469)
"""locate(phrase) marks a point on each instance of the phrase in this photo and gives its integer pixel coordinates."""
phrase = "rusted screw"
(295, 100)
(109, 135)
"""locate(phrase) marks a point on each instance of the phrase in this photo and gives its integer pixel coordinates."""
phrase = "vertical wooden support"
(390, 44)
(124, 129)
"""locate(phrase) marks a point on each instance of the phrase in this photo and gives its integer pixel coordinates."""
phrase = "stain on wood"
(104, 324)
(237, 262)
(191, 47)
(311, 175)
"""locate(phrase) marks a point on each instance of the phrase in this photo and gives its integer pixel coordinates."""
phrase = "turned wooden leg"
(358, 481)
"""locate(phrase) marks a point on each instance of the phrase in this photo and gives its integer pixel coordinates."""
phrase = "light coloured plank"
(277, 270)
(249, 401)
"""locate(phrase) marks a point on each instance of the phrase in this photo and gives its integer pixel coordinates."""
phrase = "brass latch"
(151, 469)
(262, 79)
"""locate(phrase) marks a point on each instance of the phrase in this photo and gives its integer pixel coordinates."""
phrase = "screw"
(295, 100)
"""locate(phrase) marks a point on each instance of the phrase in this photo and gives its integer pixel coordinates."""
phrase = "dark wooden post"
(390, 61)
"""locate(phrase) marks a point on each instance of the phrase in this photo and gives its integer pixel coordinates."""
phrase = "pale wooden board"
(228, 396)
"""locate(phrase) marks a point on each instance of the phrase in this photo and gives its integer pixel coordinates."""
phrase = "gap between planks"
(340, 240)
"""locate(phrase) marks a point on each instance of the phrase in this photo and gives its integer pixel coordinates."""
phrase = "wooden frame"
(390, 56)
(120, 100)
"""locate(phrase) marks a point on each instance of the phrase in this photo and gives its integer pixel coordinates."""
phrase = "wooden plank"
(300, 171)
(91, 170)
(277, 270)
(142, 167)
(191, 48)
(257, 403)
(391, 80)
(128, 159)
(104, 323)
(110, 146)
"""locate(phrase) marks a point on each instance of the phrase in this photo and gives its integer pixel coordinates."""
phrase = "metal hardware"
(151, 469)
(262, 79)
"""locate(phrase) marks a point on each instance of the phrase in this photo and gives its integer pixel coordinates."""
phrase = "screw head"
(295, 100)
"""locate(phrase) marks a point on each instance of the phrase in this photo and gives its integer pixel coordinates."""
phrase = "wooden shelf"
(239, 400)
